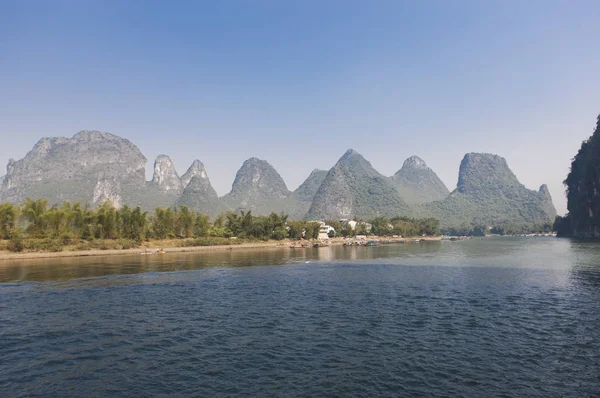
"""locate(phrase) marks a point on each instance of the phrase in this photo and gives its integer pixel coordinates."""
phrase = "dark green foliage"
(107, 228)
(354, 188)
(50, 229)
(406, 226)
(417, 184)
(583, 187)
(489, 195)
(245, 225)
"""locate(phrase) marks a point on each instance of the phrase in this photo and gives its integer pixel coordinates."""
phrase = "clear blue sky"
(299, 82)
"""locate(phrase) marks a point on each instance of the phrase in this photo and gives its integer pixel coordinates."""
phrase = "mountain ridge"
(353, 188)
(94, 166)
(417, 183)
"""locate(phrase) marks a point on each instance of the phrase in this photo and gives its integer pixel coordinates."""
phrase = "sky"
(297, 83)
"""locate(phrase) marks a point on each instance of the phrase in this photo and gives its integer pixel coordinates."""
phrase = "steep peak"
(198, 193)
(195, 170)
(485, 171)
(417, 184)
(544, 190)
(414, 162)
(354, 159)
(547, 203)
(165, 175)
(200, 186)
(545, 193)
(196, 165)
(354, 188)
(350, 152)
(350, 156)
(258, 179)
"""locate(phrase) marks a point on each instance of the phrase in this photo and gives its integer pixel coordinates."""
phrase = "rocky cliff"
(91, 166)
(417, 184)
(196, 169)
(353, 188)
(95, 167)
(199, 195)
(256, 187)
(546, 199)
(583, 190)
(489, 194)
(165, 176)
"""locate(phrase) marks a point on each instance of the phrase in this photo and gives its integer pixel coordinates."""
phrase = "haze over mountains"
(95, 167)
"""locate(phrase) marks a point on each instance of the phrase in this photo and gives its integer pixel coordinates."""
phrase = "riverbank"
(170, 246)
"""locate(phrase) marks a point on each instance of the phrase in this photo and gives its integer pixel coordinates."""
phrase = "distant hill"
(353, 188)
(94, 167)
(91, 167)
(256, 187)
(417, 184)
(489, 194)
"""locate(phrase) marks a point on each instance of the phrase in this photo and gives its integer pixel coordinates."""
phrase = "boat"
(372, 243)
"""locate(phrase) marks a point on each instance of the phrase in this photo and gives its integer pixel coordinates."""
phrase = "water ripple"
(340, 328)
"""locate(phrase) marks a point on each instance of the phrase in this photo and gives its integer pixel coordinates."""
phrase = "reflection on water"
(546, 253)
(39, 270)
(480, 318)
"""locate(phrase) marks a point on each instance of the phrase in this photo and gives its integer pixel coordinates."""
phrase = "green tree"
(8, 219)
(202, 226)
(186, 222)
(56, 219)
(33, 211)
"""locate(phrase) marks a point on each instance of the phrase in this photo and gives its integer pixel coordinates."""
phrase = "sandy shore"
(5, 256)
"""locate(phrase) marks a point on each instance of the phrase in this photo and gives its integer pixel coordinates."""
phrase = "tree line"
(503, 229)
(37, 219)
(383, 226)
(68, 222)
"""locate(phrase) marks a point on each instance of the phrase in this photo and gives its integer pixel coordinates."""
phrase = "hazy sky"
(299, 82)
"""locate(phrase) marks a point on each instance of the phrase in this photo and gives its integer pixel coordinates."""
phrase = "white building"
(324, 230)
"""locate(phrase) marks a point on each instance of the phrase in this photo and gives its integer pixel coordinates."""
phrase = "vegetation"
(383, 226)
(501, 229)
(417, 184)
(355, 185)
(34, 225)
(489, 197)
(583, 185)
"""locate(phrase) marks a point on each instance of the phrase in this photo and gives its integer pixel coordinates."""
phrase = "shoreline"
(7, 256)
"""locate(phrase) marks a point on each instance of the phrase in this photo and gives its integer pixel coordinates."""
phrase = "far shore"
(153, 246)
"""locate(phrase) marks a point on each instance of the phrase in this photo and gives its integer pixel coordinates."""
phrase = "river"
(505, 317)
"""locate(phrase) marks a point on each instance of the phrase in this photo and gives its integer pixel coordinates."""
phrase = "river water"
(505, 317)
